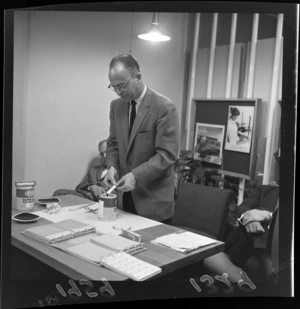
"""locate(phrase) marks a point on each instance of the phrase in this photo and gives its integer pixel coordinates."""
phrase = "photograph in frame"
(209, 142)
(239, 128)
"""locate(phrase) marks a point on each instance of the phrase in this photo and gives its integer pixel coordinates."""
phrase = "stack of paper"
(60, 231)
(184, 242)
(129, 266)
(89, 252)
(120, 262)
(118, 243)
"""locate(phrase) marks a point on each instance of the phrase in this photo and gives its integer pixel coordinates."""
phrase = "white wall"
(20, 78)
(61, 100)
(220, 71)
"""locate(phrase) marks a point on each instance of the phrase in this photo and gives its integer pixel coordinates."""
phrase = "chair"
(272, 250)
(203, 208)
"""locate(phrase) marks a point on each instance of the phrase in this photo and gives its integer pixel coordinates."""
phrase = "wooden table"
(75, 268)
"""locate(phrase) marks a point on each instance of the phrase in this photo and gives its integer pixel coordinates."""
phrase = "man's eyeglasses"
(120, 87)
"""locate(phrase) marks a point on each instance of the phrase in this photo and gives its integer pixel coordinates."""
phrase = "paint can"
(24, 195)
(108, 207)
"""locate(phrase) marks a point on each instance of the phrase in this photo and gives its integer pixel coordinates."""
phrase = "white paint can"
(108, 209)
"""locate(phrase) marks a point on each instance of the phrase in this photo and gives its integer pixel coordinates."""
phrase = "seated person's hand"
(110, 178)
(254, 228)
(128, 183)
(97, 190)
(255, 215)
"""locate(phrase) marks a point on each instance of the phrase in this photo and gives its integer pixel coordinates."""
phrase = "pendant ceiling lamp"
(154, 34)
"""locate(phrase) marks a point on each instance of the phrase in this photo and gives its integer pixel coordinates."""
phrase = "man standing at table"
(143, 143)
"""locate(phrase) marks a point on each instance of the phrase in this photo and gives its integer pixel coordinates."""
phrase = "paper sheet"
(89, 251)
(184, 241)
(123, 220)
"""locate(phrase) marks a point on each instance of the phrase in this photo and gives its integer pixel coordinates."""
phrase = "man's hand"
(255, 215)
(110, 177)
(128, 182)
(254, 228)
(97, 190)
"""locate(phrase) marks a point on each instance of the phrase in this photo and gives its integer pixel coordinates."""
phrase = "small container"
(108, 210)
(25, 195)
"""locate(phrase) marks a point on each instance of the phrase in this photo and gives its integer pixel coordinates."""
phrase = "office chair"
(202, 208)
(272, 250)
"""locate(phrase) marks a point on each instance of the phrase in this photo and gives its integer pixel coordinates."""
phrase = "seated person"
(91, 186)
(245, 246)
(245, 250)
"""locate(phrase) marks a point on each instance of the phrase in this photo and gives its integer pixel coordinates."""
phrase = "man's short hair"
(128, 61)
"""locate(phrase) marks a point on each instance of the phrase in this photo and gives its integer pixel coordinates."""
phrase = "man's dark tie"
(132, 115)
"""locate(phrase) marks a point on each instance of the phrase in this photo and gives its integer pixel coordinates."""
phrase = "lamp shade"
(154, 34)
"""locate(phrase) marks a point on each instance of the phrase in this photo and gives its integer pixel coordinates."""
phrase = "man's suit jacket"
(92, 177)
(149, 153)
(241, 245)
(264, 198)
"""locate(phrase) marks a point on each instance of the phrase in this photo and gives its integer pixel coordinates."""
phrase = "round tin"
(24, 195)
(108, 210)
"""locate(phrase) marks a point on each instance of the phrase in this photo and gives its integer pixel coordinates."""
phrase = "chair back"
(272, 250)
(203, 208)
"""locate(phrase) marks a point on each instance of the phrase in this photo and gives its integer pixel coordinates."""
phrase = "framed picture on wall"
(209, 142)
(239, 128)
